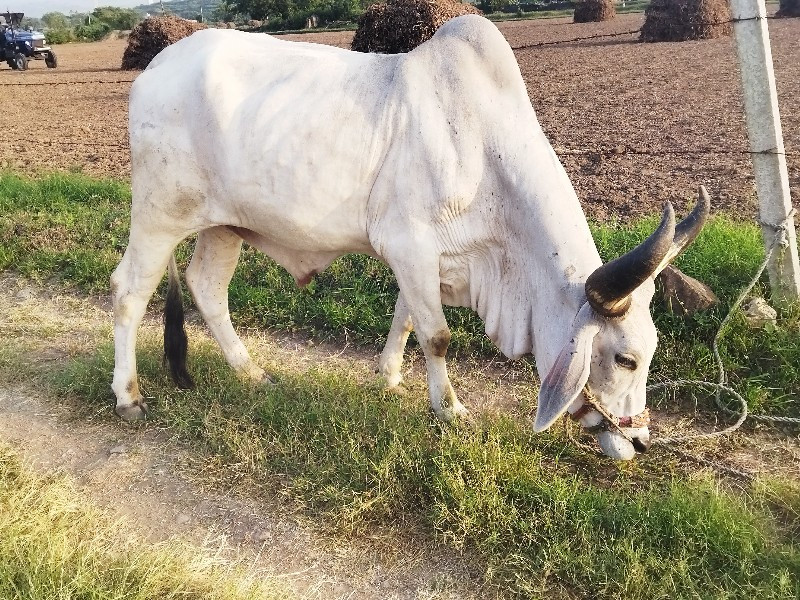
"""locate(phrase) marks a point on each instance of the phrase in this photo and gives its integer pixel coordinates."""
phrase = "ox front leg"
(391, 359)
(419, 289)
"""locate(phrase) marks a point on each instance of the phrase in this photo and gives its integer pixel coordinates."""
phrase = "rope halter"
(610, 422)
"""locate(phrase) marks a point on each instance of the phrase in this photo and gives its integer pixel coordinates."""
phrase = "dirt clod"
(683, 294)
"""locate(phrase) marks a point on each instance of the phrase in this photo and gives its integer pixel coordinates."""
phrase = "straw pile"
(592, 11)
(152, 35)
(681, 20)
(402, 25)
(789, 8)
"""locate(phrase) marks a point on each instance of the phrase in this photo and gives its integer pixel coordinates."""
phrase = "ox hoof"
(397, 390)
(391, 381)
(138, 411)
(453, 413)
(254, 373)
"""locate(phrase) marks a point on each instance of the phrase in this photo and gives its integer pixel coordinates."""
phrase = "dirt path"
(158, 486)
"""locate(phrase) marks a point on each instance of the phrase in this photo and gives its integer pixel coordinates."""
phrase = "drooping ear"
(569, 373)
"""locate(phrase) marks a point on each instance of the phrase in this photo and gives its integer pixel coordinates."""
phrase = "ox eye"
(625, 361)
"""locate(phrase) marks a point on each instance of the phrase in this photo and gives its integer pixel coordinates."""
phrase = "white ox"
(432, 161)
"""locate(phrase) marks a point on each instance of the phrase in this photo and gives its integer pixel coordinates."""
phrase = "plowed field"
(635, 124)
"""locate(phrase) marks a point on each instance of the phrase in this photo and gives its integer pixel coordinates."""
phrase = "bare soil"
(635, 124)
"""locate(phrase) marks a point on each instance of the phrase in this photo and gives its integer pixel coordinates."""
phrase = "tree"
(55, 20)
(116, 18)
(263, 9)
(226, 11)
(32, 22)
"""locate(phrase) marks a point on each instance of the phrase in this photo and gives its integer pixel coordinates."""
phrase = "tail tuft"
(176, 342)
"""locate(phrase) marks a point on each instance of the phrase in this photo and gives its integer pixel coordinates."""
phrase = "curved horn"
(609, 287)
(689, 228)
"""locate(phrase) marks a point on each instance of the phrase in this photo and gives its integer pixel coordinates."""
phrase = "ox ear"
(569, 373)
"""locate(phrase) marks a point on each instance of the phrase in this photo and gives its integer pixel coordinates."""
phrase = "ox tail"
(176, 343)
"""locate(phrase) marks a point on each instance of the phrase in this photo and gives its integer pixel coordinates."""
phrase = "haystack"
(592, 11)
(681, 20)
(402, 25)
(152, 35)
(789, 8)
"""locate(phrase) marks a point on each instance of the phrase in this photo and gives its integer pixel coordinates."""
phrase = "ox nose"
(641, 446)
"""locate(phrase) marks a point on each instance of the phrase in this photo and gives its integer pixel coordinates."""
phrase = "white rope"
(780, 241)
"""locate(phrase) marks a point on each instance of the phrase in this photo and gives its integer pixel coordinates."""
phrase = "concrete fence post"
(766, 143)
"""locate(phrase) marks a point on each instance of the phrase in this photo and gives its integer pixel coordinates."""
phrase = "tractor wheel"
(20, 61)
(50, 60)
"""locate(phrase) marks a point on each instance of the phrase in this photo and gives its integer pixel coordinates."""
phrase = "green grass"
(543, 518)
(73, 229)
(54, 544)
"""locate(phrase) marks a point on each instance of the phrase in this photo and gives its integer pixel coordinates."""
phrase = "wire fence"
(607, 152)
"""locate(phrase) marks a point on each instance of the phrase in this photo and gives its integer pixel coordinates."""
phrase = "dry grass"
(402, 25)
(682, 20)
(592, 11)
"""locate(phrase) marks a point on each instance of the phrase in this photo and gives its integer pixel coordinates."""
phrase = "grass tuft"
(542, 515)
(53, 544)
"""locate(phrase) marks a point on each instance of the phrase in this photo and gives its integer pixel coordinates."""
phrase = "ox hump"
(480, 36)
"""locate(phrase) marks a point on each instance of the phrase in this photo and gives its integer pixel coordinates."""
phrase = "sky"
(36, 8)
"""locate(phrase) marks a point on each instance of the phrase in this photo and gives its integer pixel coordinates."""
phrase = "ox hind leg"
(420, 300)
(391, 359)
(132, 284)
(208, 277)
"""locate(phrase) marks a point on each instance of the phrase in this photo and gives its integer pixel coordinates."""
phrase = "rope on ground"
(780, 241)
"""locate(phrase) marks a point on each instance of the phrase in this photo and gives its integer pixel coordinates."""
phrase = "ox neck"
(564, 253)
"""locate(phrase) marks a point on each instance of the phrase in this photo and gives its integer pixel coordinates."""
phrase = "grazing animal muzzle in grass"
(458, 192)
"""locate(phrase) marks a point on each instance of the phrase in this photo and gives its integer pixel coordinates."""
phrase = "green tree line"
(293, 13)
(93, 26)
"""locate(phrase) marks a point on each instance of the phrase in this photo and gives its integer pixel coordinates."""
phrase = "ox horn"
(687, 230)
(608, 289)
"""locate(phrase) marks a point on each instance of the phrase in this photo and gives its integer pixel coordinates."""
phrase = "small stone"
(759, 314)
(25, 293)
(683, 294)
(118, 450)
(182, 519)
(261, 536)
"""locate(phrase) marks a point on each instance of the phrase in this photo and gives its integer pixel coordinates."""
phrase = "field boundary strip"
(521, 47)
(607, 152)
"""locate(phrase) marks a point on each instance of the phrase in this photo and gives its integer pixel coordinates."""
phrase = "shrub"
(402, 25)
(92, 33)
(789, 8)
(60, 36)
(591, 11)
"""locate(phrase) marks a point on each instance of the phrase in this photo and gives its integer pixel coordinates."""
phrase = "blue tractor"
(18, 46)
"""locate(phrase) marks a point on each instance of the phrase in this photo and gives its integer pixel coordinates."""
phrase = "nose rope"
(609, 421)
